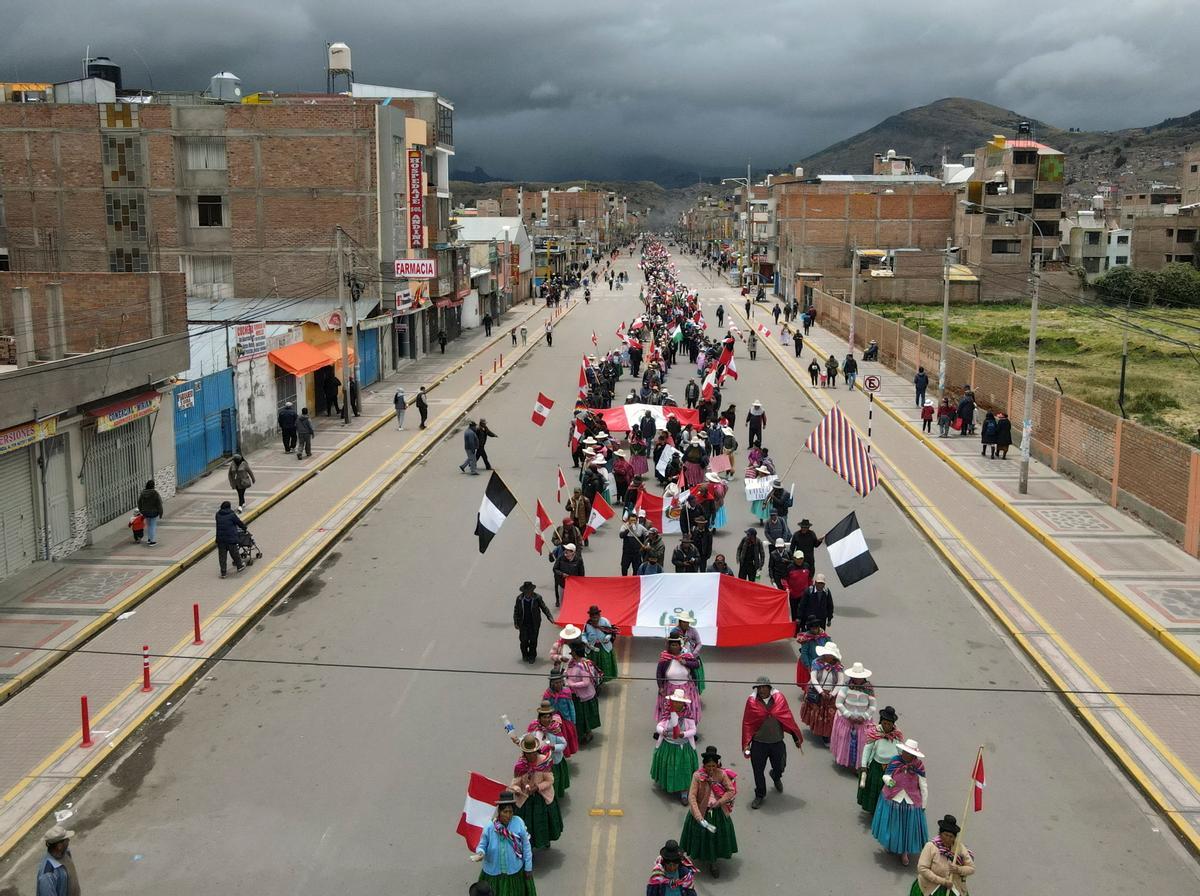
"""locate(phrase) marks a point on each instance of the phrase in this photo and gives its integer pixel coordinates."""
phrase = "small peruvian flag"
(710, 383)
(595, 340)
(543, 518)
(541, 409)
(980, 780)
(730, 370)
(482, 796)
(562, 483)
(601, 514)
(765, 332)
(583, 383)
(576, 438)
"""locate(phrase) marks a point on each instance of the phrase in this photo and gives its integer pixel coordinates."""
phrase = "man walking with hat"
(56, 876)
(527, 619)
(817, 602)
(765, 719)
(805, 539)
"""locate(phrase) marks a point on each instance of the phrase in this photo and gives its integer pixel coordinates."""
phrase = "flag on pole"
(576, 437)
(561, 484)
(729, 612)
(601, 514)
(730, 370)
(847, 547)
(541, 409)
(482, 796)
(661, 513)
(677, 334)
(980, 780)
(583, 383)
(838, 446)
(710, 384)
(624, 417)
(595, 339)
(543, 518)
(498, 503)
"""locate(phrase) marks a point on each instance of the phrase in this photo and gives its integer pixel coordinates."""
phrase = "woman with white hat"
(505, 851)
(533, 788)
(899, 821)
(675, 757)
(685, 627)
(820, 699)
(855, 704)
(601, 635)
(883, 740)
(677, 669)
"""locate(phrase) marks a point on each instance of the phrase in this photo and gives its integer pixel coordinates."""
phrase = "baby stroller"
(248, 549)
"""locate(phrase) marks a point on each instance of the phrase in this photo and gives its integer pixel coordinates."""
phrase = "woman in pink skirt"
(855, 704)
(819, 701)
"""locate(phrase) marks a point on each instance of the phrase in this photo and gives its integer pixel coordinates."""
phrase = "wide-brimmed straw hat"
(678, 696)
(570, 633)
(912, 748)
(858, 671)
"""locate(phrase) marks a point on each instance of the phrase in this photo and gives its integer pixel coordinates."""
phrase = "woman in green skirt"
(883, 740)
(582, 678)
(549, 726)
(708, 833)
(506, 854)
(685, 627)
(675, 759)
(601, 637)
(533, 788)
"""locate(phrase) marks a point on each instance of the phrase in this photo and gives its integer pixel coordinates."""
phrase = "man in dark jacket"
(150, 506)
(805, 539)
(702, 538)
(332, 384)
(817, 602)
(633, 534)
(304, 434)
(229, 529)
(779, 563)
(691, 393)
(287, 427)
(685, 557)
(966, 413)
(750, 556)
(422, 407)
(569, 563)
(921, 383)
(527, 619)
(471, 446)
(647, 427)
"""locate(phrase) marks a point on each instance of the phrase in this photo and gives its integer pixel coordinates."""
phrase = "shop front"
(118, 458)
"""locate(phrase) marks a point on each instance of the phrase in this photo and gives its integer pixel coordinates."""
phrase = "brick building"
(600, 217)
(1166, 239)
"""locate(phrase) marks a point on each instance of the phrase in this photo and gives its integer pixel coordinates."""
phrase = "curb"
(1144, 621)
(51, 659)
(165, 692)
(1189, 835)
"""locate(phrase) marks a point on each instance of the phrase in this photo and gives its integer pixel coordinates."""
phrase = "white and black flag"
(847, 548)
(498, 503)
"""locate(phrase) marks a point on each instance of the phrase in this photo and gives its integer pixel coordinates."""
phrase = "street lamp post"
(945, 319)
(1031, 361)
(746, 181)
(854, 266)
(506, 271)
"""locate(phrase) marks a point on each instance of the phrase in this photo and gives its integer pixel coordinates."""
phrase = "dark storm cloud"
(560, 89)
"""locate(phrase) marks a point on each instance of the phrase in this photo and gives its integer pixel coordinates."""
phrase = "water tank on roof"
(799, 172)
(103, 67)
(891, 153)
(225, 87)
(1098, 203)
(339, 57)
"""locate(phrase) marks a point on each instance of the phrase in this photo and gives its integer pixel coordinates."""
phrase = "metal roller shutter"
(115, 469)
(18, 527)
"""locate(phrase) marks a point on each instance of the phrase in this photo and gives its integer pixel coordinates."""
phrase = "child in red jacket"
(927, 416)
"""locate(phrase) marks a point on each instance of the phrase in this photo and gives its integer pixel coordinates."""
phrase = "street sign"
(872, 383)
(416, 268)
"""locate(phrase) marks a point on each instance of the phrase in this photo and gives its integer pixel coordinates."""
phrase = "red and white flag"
(710, 384)
(595, 339)
(482, 796)
(730, 370)
(562, 483)
(576, 437)
(541, 409)
(729, 612)
(977, 775)
(543, 518)
(765, 332)
(624, 417)
(583, 383)
(661, 513)
(601, 514)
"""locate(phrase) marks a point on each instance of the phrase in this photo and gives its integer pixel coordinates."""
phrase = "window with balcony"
(1006, 247)
(209, 211)
(445, 125)
(1047, 200)
(204, 153)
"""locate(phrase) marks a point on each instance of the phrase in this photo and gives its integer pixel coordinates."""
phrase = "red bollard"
(196, 624)
(481, 377)
(146, 686)
(502, 360)
(87, 723)
(493, 365)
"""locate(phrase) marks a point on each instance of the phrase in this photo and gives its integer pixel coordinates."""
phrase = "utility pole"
(945, 321)
(853, 294)
(1027, 427)
(746, 245)
(341, 294)
(1124, 355)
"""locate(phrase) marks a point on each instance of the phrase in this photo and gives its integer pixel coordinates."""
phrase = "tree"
(1127, 285)
(1178, 284)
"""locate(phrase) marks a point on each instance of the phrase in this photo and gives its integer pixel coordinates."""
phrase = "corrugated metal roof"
(879, 178)
(485, 229)
(210, 351)
(271, 310)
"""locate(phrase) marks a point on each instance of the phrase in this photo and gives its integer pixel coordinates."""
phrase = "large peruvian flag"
(662, 514)
(482, 796)
(729, 612)
(621, 419)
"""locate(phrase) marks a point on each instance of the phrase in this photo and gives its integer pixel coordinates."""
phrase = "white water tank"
(339, 57)
(1098, 203)
(799, 172)
(226, 87)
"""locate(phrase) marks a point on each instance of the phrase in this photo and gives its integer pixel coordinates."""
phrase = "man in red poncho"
(766, 718)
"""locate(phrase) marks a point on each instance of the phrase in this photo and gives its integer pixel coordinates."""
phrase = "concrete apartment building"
(1167, 239)
(1189, 180)
(1010, 175)
(597, 217)
(1155, 200)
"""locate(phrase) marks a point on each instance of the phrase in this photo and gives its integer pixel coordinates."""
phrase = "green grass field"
(1083, 350)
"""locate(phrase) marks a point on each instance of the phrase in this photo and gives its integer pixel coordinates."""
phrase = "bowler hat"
(949, 824)
(528, 585)
(670, 852)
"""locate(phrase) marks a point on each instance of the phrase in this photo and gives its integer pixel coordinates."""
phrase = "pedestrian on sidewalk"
(400, 403)
(549, 335)
(749, 306)
(1003, 435)
(57, 875)
(987, 434)
(471, 446)
(776, 312)
(809, 316)
(513, 334)
(527, 619)
(921, 383)
(441, 340)
(945, 414)
(765, 719)
(241, 477)
(927, 416)
(287, 427)
(422, 404)
(814, 367)
(229, 530)
(850, 369)
(482, 434)
(785, 335)
(966, 413)
(304, 434)
(831, 371)
(352, 391)
(487, 324)
(150, 505)
(524, 335)
(332, 385)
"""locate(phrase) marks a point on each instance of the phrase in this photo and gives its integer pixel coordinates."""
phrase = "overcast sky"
(568, 89)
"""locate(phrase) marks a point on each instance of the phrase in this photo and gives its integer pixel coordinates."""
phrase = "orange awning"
(300, 358)
(333, 351)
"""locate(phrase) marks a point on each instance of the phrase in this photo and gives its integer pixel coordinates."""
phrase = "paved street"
(328, 752)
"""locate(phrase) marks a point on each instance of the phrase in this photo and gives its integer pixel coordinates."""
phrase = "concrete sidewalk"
(1050, 566)
(299, 508)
